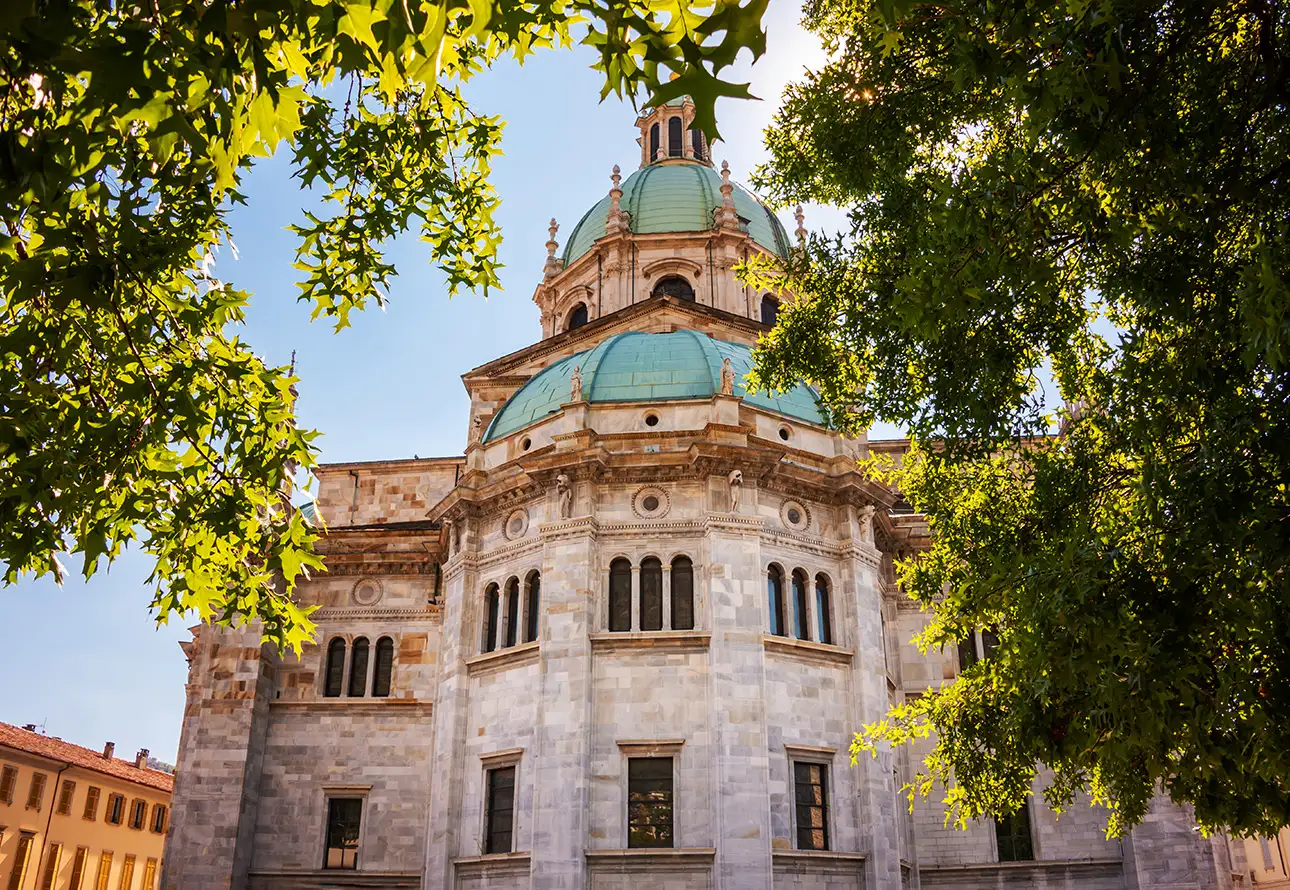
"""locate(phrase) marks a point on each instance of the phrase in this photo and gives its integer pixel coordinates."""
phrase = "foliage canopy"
(1098, 190)
(133, 410)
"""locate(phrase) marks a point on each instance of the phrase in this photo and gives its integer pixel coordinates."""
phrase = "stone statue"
(564, 496)
(450, 528)
(476, 428)
(736, 482)
(575, 384)
(866, 523)
(727, 377)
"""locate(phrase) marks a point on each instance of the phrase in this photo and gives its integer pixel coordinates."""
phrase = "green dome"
(639, 367)
(676, 197)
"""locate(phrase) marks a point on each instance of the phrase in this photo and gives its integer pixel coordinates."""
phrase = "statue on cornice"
(564, 496)
(736, 483)
(866, 523)
(575, 384)
(727, 377)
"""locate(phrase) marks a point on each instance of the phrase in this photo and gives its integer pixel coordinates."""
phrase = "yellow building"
(76, 819)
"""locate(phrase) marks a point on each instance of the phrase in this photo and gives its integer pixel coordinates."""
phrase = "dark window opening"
(501, 810)
(1013, 834)
(674, 286)
(651, 594)
(492, 605)
(335, 668)
(358, 668)
(512, 610)
(811, 795)
(682, 593)
(138, 814)
(578, 317)
(775, 593)
(674, 129)
(769, 310)
(620, 595)
(649, 802)
(801, 624)
(344, 818)
(384, 673)
(533, 607)
(696, 142)
(989, 642)
(823, 620)
(653, 143)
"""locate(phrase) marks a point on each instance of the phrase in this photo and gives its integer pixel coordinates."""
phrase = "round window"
(785, 433)
(650, 503)
(651, 420)
(517, 524)
(526, 444)
(794, 516)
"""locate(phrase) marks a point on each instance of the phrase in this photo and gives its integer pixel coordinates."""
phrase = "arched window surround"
(511, 610)
(674, 285)
(532, 605)
(334, 668)
(653, 142)
(769, 310)
(775, 600)
(823, 604)
(801, 604)
(492, 617)
(577, 316)
(383, 667)
(675, 137)
(641, 596)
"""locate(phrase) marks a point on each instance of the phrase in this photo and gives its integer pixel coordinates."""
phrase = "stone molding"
(377, 613)
(314, 878)
(698, 859)
(503, 659)
(807, 543)
(495, 555)
(734, 522)
(869, 554)
(651, 641)
(577, 527)
(400, 706)
(1036, 873)
(650, 747)
(808, 751)
(817, 653)
(816, 862)
(493, 865)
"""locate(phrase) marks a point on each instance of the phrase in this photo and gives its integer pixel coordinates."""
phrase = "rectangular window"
(21, 855)
(344, 818)
(91, 804)
(8, 779)
(127, 873)
(138, 814)
(649, 802)
(501, 810)
(65, 797)
(36, 794)
(158, 818)
(1013, 835)
(811, 799)
(105, 870)
(115, 809)
(78, 868)
(150, 875)
(50, 874)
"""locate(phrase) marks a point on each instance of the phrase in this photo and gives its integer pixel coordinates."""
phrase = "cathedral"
(626, 639)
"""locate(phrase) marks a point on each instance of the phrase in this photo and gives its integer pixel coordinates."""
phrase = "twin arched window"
(334, 672)
(502, 612)
(812, 616)
(664, 600)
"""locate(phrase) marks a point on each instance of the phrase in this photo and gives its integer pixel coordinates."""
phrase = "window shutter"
(65, 797)
(37, 792)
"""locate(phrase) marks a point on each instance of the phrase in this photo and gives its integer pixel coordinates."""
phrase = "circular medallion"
(650, 503)
(793, 515)
(517, 524)
(367, 592)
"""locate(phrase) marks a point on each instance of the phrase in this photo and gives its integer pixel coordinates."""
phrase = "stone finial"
(727, 377)
(564, 496)
(801, 224)
(575, 384)
(725, 174)
(727, 218)
(553, 265)
(617, 178)
(617, 218)
(735, 481)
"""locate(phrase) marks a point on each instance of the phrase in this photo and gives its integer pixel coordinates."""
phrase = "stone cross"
(736, 483)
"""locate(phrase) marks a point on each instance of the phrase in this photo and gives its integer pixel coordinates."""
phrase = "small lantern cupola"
(666, 134)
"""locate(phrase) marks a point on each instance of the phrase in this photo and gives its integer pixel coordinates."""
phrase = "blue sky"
(87, 660)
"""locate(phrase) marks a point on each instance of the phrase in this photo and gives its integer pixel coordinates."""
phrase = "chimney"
(108, 750)
(30, 727)
(141, 759)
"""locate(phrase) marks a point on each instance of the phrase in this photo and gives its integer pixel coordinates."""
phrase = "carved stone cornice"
(429, 612)
(489, 558)
(734, 522)
(385, 565)
(809, 543)
(576, 527)
(862, 552)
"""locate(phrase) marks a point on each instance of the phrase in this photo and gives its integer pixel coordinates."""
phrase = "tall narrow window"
(696, 141)
(127, 873)
(1013, 835)
(811, 796)
(53, 853)
(653, 143)
(91, 804)
(115, 814)
(21, 856)
(769, 310)
(968, 654)
(512, 610)
(649, 802)
(158, 818)
(138, 814)
(674, 141)
(577, 317)
(775, 595)
(65, 794)
(620, 595)
(682, 593)
(8, 779)
(358, 668)
(344, 819)
(36, 792)
(532, 607)
(652, 592)
(150, 875)
(501, 810)
(335, 676)
(492, 609)
(78, 868)
(105, 871)
(801, 623)
(989, 642)
(383, 675)
(823, 617)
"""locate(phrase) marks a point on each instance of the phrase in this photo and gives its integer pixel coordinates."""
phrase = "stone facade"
(487, 580)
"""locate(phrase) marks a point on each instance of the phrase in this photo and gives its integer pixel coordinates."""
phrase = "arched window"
(492, 609)
(512, 611)
(335, 668)
(682, 593)
(577, 317)
(620, 595)
(358, 668)
(674, 286)
(823, 617)
(696, 139)
(532, 607)
(651, 592)
(674, 140)
(775, 593)
(653, 143)
(769, 310)
(801, 625)
(384, 673)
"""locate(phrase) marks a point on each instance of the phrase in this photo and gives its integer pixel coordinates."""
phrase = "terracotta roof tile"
(85, 758)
